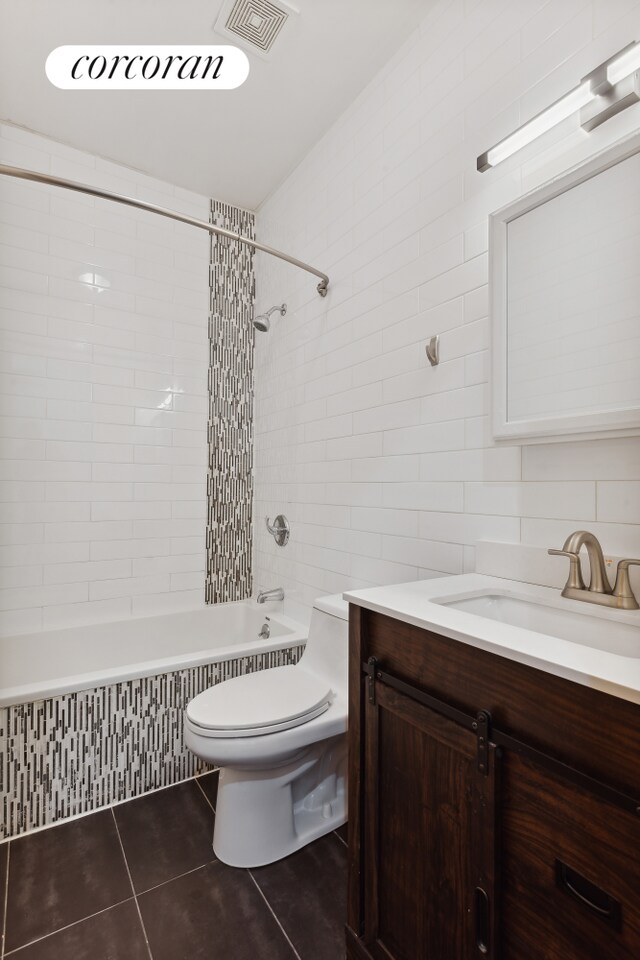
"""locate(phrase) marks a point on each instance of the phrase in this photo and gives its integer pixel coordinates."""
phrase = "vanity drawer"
(570, 870)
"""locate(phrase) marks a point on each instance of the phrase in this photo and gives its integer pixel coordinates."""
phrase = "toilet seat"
(256, 704)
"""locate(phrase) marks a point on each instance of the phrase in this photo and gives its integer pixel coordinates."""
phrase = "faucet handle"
(574, 580)
(279, 529)
(622, 589)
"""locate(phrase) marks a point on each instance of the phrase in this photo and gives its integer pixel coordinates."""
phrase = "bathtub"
(39, 665)
(93, 715)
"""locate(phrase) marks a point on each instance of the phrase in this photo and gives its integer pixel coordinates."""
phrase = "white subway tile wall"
(385, 466)
(103, 394)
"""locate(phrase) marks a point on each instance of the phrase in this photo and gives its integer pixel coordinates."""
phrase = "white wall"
(385, 466)
(103, 395)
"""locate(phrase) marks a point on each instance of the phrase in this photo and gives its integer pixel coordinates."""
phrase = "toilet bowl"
(279, 737)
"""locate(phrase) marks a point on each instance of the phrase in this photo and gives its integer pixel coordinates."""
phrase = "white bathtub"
(42, 665)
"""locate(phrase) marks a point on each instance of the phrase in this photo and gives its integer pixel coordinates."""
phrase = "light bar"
(598, 91)
(558, 111)
(627, 63)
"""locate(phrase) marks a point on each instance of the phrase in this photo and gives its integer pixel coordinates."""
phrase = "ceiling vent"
(254, 24)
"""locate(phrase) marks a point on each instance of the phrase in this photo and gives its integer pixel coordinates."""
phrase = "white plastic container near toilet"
(279, 737)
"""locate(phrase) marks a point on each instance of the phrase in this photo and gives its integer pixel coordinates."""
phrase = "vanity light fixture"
(624, 63)
(610, 88)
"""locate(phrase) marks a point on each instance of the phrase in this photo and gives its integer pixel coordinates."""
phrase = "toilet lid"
(261, 702)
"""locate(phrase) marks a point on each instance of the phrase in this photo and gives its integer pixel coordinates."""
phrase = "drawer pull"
(588, 894)
(482, 921)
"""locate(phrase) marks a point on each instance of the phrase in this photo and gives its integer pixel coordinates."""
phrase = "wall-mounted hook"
(432, 350)
(279, 529)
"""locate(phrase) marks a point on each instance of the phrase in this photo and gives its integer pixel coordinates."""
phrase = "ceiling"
(235, 145)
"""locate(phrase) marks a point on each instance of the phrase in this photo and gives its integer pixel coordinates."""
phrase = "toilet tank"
(327, 650)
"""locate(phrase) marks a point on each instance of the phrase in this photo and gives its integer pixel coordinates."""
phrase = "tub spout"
(276, 594)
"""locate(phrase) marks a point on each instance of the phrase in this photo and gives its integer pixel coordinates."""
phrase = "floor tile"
(165, 834)
(214, 913)
(115, 934)
(63, 874)
(308, 893)
(4, 853)
(209, 784)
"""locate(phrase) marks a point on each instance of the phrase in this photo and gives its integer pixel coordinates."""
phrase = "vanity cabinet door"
(428, 859)
(570, 870)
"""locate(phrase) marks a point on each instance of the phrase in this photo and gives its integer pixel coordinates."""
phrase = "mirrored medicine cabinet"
(565, 304)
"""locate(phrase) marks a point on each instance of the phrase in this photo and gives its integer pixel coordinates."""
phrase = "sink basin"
(589, 629)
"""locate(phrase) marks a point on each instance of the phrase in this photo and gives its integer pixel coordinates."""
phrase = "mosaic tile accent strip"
(230, 427)
(82, 751)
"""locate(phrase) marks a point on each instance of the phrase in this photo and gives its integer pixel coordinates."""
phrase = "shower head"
(262, 322)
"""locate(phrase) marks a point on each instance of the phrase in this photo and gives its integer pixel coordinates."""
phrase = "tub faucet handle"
(279, 529)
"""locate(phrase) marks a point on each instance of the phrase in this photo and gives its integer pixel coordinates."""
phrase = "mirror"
(565, 304)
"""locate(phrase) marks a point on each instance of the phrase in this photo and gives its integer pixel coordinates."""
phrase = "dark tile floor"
(141, 882)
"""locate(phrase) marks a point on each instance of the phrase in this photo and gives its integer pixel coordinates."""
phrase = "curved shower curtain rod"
(23, 174)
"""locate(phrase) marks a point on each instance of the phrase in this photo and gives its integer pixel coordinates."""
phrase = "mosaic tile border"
(230, 426)
(81, 751)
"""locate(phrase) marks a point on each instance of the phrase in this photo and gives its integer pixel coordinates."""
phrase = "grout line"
(126, 863)
(213, 809)
(204, 794)
(3, 931)
(341, 839)
(275, 916)
(179, 877)
(67, 926)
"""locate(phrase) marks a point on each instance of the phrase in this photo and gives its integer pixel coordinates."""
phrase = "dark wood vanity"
(494, 809)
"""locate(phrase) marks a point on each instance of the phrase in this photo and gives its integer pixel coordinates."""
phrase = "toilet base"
(264, 815)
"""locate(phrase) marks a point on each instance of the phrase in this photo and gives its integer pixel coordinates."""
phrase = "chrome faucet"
(599, 589)
(276, 594)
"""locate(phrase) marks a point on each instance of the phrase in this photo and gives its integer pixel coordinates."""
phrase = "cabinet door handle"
(588, 894)
(482, 921)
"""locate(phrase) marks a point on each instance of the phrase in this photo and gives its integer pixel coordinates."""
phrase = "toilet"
(279, 737)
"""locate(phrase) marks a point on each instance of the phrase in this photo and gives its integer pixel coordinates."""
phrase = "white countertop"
(600, 669)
